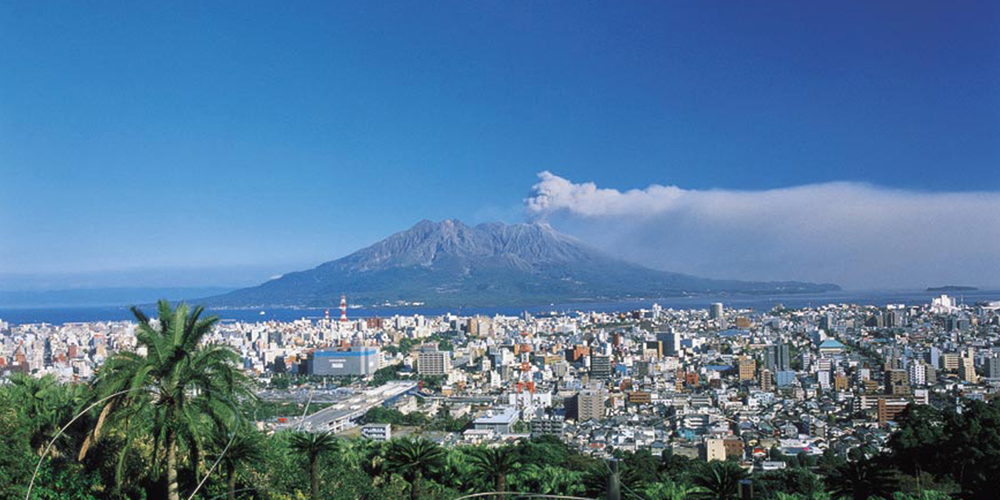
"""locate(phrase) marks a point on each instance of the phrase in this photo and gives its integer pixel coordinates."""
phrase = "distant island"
(952, 288)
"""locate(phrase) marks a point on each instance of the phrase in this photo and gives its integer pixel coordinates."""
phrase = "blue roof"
(830, 343)
(734, 333)
(719, 368)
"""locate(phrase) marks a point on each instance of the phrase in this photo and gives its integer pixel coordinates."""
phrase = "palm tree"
(44, 404)
(668, 490)
(242, 448)
(860, 480)
(495, 463)
(548, 480)
(415, 459)
(177, 387)
(719, 480)
(313, 445)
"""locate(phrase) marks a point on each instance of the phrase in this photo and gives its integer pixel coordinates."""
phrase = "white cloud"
(856, 235)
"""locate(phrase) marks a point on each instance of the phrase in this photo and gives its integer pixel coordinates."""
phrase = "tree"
(860, 480)
(414, 459)
(973, 444)
(918, 444)
(495, 463)
(313, 445)
(44, 405)
(245, 447)
(793, 481)
(179, 388)
(718, 480)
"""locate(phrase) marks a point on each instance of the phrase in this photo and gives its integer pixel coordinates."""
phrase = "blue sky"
(238, 140)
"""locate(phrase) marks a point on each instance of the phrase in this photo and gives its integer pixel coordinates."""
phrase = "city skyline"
(283, 137)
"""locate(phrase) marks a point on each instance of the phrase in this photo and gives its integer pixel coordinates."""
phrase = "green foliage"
(385, 375)
(963, 447)
(415, 459)
(717, 480)
(175, 394)
(790, 481)
(861, 480)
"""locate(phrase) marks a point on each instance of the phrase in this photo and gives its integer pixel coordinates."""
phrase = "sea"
(61, 315)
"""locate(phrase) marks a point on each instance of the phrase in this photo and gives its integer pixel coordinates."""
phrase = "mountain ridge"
(449, 263)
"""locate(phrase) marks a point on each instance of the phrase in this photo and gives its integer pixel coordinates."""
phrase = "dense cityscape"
(509, 250)
(766, 390)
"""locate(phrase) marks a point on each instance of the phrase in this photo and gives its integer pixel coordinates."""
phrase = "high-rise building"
(748, 368)
(969, 370)
(994, 367)
(950, 361)
(671, 342)
(600, 367)
(897, 382)
(716, 312)
(433, 362)
(777, 358)
(918, 373)
(588, 404)
(766, 380)
(934, 357)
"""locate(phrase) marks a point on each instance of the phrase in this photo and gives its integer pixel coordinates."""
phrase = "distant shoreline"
(59, 315)
(952, 288)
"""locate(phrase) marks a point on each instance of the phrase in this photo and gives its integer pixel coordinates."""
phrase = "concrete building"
(377, 432)
(671, 342)
(600, 367)
(969, 370)
(500, 421)
(433, 362)
(548, 425)
(359, 361)
(715, 449)
(748, 368)
(994, 367)
(717, 310)
(587, 404)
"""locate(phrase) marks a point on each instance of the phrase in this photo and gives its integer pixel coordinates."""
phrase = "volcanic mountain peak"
(450, 263)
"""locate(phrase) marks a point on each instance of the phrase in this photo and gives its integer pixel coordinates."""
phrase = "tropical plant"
(669, 490)
(44, 406)
(718, 480)
(313, 445)
(415, 459)
(860, 480)
(177, 387)
(235, 451)
(495, 463)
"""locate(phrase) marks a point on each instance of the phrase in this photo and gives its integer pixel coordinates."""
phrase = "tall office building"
(671, 342)
(777, 358)
(748, 368)
(969, 370)
(588, 404)
(431, 361)
(994, 367)
(766, 380)
(934, 357)
(716, 311)
(600, 367)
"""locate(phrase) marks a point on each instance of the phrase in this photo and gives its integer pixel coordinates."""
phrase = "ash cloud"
(857, 235)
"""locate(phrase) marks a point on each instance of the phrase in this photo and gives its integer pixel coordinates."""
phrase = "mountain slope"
(449, 263)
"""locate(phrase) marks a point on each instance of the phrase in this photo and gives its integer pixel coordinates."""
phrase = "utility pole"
(614, 481)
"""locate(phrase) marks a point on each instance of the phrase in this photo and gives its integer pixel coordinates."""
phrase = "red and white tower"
(343, 309)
